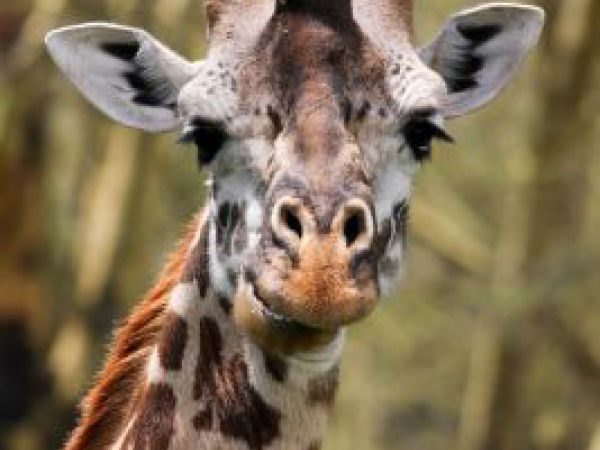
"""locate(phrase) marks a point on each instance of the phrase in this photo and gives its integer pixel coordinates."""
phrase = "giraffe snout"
(327, 276)
(295, 226)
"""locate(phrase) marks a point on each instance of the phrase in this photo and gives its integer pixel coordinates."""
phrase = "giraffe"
(311, 119)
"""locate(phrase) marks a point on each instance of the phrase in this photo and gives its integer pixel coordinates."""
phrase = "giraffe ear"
(124, 71)
(480, 50)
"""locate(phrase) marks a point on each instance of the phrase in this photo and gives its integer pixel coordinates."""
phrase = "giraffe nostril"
(290, 219)
(289, 222)
(355, 224)
(354, 227)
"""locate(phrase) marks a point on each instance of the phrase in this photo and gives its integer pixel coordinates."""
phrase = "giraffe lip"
(261, 307)
(264, 309)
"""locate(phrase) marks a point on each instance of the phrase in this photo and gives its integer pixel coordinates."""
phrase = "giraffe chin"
(274, 332)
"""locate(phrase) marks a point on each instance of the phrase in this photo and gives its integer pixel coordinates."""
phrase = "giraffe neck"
(206, 386)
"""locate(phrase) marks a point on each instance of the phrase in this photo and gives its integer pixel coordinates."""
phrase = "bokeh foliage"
(491, 343)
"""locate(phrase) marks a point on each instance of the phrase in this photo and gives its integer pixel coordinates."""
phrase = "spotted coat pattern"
(205, 386)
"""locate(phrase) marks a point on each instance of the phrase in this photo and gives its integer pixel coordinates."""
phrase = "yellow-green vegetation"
(492, 342)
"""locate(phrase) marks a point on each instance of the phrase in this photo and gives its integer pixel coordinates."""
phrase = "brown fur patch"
(154, 426)
(209, 356)
(119, 386)
(322, 390)
(231, 405)
(197, 265)
(276, 367)
(214, 10)
(225, 304)
(172, 341)
(307, 45)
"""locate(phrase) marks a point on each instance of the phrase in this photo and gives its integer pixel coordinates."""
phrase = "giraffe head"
(311, 118)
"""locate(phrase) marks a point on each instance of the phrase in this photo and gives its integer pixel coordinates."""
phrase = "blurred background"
(492, 342)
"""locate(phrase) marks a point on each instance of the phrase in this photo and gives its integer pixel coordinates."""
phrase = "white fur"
(393, 185)
(319, 361)
(209, 94)
(254, 217)
(155, 372)
(237, 185)
(184, 298)
(415, 87)
(218, 273)
(118, 445)
(395, 253)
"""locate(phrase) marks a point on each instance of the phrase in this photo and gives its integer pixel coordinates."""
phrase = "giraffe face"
(300, 257)
(311, 183)
(306, 245)
(311, 122)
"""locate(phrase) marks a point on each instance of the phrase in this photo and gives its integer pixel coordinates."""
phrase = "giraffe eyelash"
(420, 132)
(209, 136)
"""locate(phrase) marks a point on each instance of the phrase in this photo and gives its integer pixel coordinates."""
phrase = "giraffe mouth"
(260, 306)
(273, 330)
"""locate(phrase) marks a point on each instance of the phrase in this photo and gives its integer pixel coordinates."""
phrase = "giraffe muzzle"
(311, 280)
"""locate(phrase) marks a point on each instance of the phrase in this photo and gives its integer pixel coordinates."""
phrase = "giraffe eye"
(419, 133)
(208, 136)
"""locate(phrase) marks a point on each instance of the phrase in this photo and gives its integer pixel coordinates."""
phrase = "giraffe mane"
(120, 384)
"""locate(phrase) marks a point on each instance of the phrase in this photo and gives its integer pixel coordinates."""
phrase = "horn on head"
(336, 10)
(389, 14)
(387, 22)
